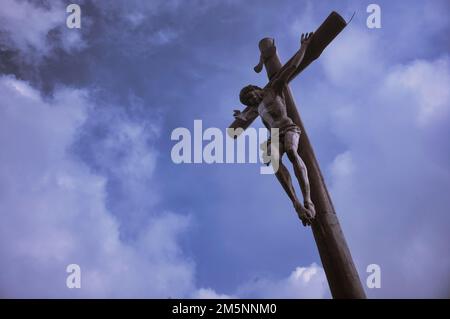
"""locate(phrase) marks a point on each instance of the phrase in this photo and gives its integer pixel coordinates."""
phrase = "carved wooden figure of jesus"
(269, 104)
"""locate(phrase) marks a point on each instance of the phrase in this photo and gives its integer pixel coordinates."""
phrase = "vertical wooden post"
(336, 259)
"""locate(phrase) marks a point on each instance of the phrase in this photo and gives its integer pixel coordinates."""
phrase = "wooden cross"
(337, 262)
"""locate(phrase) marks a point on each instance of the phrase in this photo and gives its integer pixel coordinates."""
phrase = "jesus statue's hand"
(306, 40)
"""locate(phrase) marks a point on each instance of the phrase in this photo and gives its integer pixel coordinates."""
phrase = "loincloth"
(266, 146)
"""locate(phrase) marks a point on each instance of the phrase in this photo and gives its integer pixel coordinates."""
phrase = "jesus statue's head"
(251, 95)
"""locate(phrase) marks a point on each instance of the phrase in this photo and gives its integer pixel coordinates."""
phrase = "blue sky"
(86, 175)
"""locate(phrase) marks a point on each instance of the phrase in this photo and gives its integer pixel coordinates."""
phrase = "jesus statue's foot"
(311, 209)
(302, 213)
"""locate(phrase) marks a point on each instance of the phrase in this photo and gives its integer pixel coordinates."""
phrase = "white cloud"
(208, 293)
(426, 83)
(163, 36)
(389, 186)
(27, 25)
(305, 23)
(352, 59)
(303, 282)
(342, 165)
(53, 211)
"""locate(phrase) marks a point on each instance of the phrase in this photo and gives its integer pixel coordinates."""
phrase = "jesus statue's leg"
(301, 172)
(285, 180)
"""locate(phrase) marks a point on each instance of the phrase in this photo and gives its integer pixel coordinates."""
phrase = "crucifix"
(275, 105)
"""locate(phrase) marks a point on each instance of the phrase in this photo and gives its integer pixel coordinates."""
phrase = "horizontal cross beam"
(321, 38)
